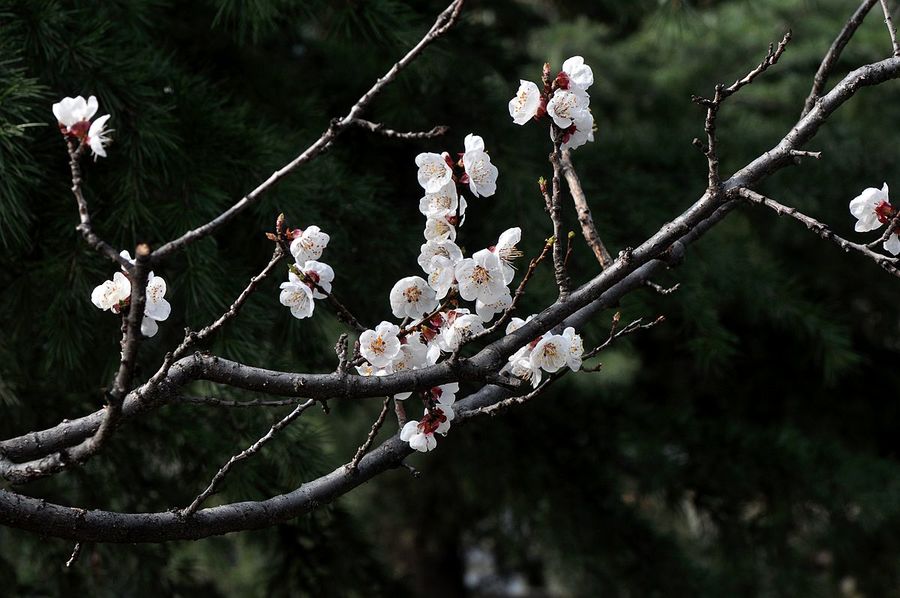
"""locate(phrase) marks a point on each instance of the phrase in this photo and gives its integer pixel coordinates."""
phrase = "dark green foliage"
(746, 446)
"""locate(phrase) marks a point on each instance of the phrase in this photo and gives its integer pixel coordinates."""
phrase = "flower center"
(884, 211)
(377, 346)
(480, 275)
(412, 294)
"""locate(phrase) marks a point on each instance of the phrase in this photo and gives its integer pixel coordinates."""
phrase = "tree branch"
(834, 52)
(442, 24)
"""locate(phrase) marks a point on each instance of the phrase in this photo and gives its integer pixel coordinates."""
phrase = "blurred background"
(745, 447)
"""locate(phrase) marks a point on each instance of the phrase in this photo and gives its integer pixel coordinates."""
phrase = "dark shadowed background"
(747, 446)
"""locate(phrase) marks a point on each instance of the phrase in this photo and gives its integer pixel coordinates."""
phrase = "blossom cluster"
(115, 295)
(74, 118)
(308, 279)
(547, 353)
(565, 99)
(872, 209)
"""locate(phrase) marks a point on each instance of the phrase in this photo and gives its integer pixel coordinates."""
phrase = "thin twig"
(661, 289)
(834, 52)
(84, 226)
(588, 228)
(442, 24)
(192, 338)
(248, 452)
(889, 264)
(373, 432)
(892, 226)
(890, 26)
(76, 552)
(710, 150)
(614, 334)
(555, 209)
(380, 129)
(520, 291)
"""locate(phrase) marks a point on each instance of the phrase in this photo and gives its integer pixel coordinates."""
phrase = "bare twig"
(588, 229)
(834, 52)
(191, 338)
(373, 432)
(892, 30)
(84, 215)
(76, 552)
(892, 226)
(661, 289)
(555, 209)
(380, 129)
(806, 154)
(889, 264)
(442, 24)
(245, 454)
(710, 150)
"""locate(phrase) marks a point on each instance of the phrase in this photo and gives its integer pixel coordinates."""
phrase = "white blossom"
(434, 171)
(487, 311)
(98, 137)
(524, 106)
(439, 229)
(297, 295)
(156, 308)
(481, 277)
(459, 330)
(308, 244)
(73, 114)
(576, 349)
(380, 346)
(445, 394)
(582, 132)
(412, 356)
(521, 367)
(507, 251)
(319, 273)
(578, 72)
(112, 294)
(550, 353)
(418, 438)
(871, 208)
(892, 244)
(442, 276)
(515, 324)
(567, 106)
(411, 297)
(481, 174)
(443, 203)
(447, 249)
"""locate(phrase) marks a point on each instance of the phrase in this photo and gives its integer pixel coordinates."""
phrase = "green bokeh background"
(746, 447)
